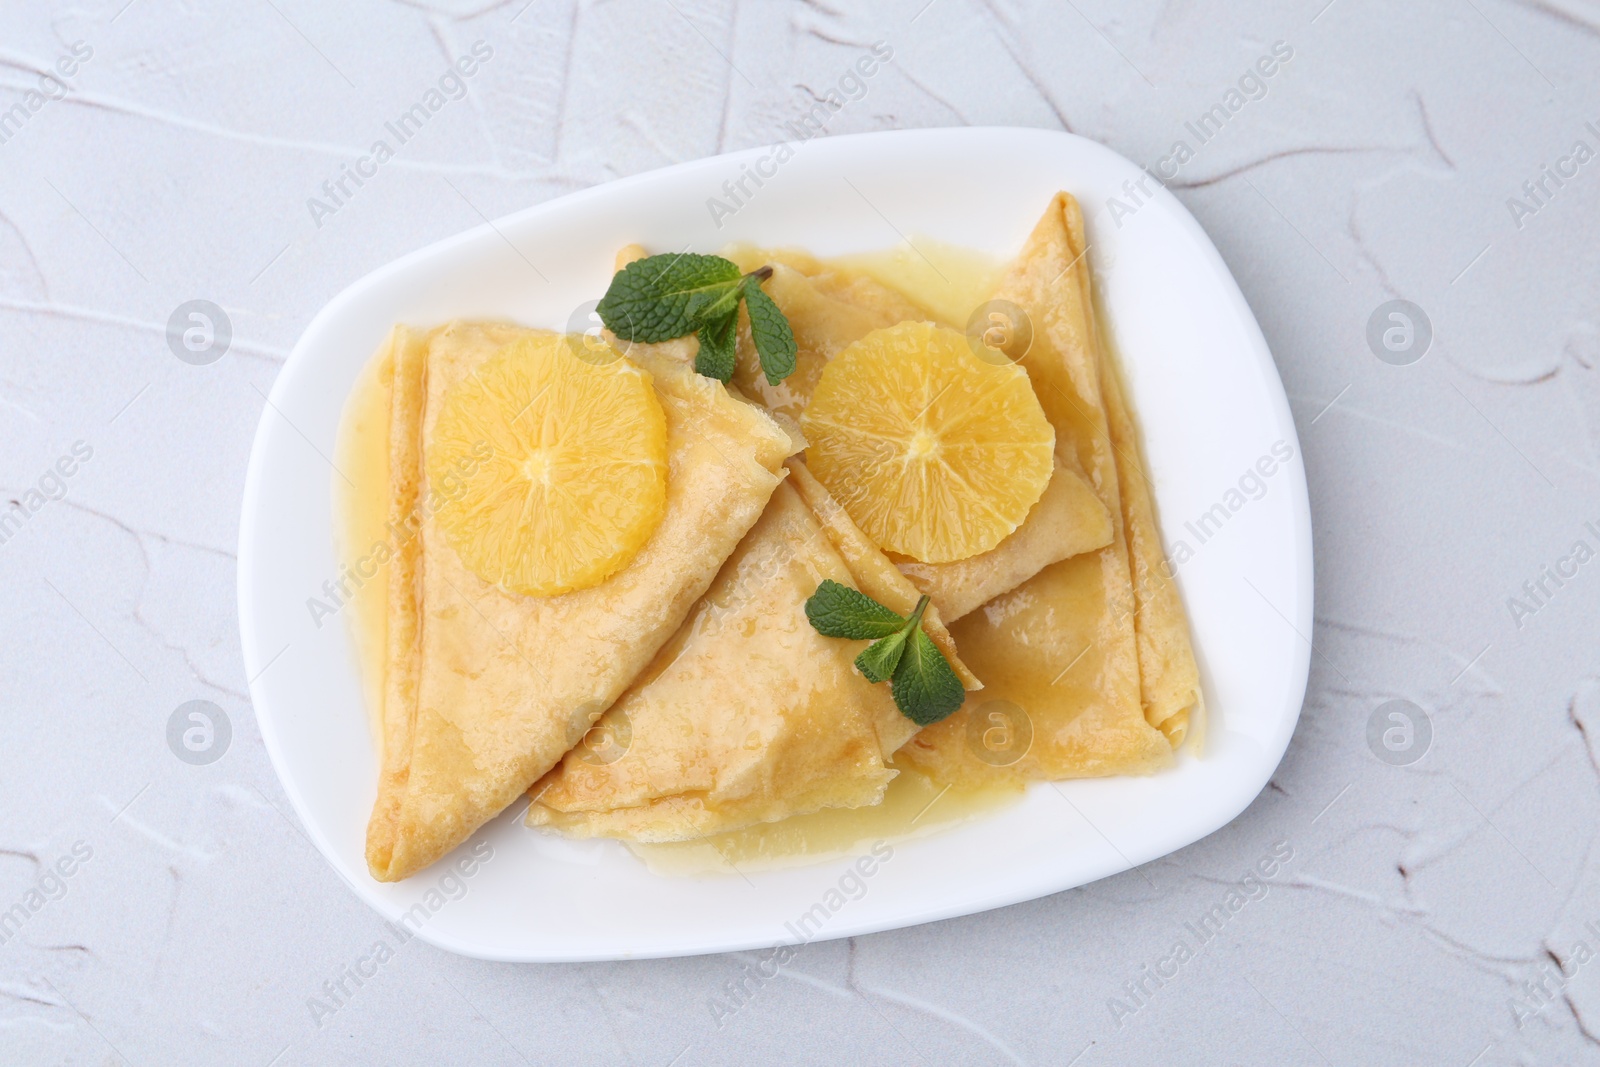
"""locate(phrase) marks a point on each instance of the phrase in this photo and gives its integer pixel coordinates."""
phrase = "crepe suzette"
(485, 690)
(831, 308)
(748, 715)
(1093, 652)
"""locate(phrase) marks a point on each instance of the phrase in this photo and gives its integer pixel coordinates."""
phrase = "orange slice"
(935, 453)
(552, 469)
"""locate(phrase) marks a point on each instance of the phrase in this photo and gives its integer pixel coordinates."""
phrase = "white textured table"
(1427, 905)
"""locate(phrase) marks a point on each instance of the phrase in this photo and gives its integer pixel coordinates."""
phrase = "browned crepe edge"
(1169, 678)
(409, 350)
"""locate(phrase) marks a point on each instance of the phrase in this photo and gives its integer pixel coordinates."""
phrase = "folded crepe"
(484, 690)
(829, 309)
(747, 715)
(1071, 646)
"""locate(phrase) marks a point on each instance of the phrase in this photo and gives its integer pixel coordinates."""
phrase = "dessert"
(777, 547)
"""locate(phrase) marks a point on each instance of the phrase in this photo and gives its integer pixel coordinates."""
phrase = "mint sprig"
(661, 297)
(925, 688)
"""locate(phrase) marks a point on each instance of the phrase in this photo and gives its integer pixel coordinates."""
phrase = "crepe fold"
(1068, 519)
(485, 690)
(747, 715)
(1095, 667)
(1169, 678)
(873, 571)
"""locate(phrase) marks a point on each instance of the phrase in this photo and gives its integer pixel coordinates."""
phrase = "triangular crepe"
(829, 309)
(748, 715)
(485, 690)
(1064, 646)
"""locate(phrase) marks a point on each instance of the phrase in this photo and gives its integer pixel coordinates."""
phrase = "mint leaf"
(718, 347)
(719, 304)
(658, 298)
(877, 661)
(836, 610)
(770, 331)
(661, 297)
(925, 688)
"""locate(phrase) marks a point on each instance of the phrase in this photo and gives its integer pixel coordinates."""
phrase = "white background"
(1420, 899)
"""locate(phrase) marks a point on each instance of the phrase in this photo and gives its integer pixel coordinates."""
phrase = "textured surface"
(1425, 908)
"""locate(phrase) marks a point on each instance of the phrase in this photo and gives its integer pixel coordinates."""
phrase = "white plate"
(1210, 404)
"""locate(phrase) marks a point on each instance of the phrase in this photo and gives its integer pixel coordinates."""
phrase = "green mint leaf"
(836, 610)
(718, 347)
(661, 297)
(878, 660)
(721, 303)
(658, 298)
(770, 331)
(925, 688)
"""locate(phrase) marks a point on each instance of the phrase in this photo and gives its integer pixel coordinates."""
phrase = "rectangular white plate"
(1207, 396)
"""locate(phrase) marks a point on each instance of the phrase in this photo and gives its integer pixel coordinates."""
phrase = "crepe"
(829, 308)
(1068, 519)
(748, 715)
(485, 690)
(1063, 649)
